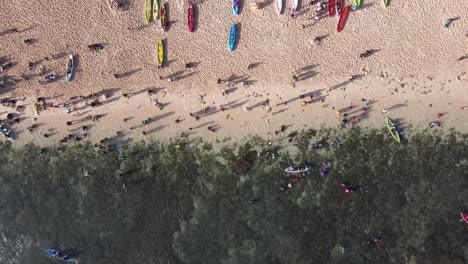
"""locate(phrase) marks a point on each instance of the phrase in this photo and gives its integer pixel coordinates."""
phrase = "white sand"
(417, 56)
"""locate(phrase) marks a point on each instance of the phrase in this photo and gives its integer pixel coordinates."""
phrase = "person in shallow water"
(374, 242)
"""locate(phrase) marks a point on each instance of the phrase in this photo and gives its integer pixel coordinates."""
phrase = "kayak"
(324, 168)
(6, 132)
(156, 10)
(342, 19)
(294, 4)
(164, 23)
(160, 53)
(357, 3)
(69, 71)
(339, 6)
(232, 37)
(392, 129)
(464, 217)
(190, 20)
(385, 3)
(279, 6)
(298, 169)
(58, 255)
(331, 7)
(147, 11)
(235, 7)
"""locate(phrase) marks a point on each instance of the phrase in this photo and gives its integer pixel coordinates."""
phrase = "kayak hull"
(148, 9)
(339, 6)
(69, 69)
(342, 19)
(232, 38)
(279, 6)
(160, 53)
(164, 23)
(235, 7)
(357, 3)
(294, 4)
(190, 18)
(331, 7)
(298, 169)
(156, 12)
(395, 136)
(53, 252)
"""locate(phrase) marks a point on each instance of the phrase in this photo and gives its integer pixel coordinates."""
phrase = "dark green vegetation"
(165, 204)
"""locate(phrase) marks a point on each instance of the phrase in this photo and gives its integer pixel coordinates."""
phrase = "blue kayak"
(235, 7)
(232, 37)
(58, 255)
(6, 132)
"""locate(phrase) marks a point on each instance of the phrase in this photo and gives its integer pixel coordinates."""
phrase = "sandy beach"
(415, 71)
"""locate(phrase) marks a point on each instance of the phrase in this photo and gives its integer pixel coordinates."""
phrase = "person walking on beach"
(96, 47)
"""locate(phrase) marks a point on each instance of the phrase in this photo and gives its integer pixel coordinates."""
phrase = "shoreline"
(408, 107)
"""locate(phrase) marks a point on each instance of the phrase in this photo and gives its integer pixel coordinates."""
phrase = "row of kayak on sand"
(159, 12)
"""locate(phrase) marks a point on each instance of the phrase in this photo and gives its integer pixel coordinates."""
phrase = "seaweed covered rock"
(241, 166)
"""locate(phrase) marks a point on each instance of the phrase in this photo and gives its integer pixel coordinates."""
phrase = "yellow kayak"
(156, 10)
(160, 53)
(148, 11)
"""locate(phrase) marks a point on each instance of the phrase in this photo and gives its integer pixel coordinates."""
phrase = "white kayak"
(294, 4)
(279, 6)
(298, 169)
(69, 71)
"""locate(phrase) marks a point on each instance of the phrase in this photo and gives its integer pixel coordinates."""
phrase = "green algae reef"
(174, 202)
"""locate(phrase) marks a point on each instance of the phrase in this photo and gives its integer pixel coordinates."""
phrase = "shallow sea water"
(192, 202)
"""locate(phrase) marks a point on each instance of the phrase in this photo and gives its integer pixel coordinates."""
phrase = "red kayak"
(190, 20)
(464, 217)
(331, 7)
(342, 19)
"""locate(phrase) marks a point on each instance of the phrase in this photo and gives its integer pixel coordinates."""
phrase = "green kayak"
(385, 3)
(392, 129)
(357, 3)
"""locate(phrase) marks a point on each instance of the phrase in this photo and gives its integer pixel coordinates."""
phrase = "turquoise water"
(191, 202)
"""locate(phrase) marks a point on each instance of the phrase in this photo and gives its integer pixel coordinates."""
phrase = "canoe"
(294, 4)
(357, 3)
(339, 6)
(235, 7)
(69, 71)
(232, 37)
(190, 19)
(342, 19)
(279, 6)
(147, 11)
(393, 131)
(156, 12)
(385, 3)
(298, 169)
(160, 53)
(331, 7)
(59, 255)
(164, 23)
